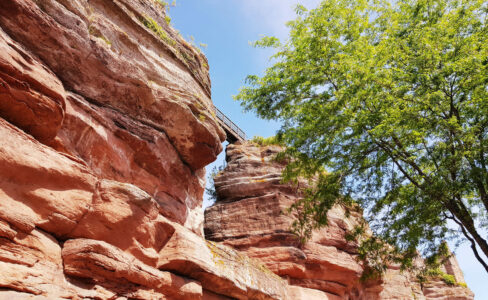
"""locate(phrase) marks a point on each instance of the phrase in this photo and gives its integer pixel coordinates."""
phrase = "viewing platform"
(233, 132)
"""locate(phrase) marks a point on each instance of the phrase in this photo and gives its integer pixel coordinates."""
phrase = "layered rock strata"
(112, 83)
(106, 125)
(250, 216)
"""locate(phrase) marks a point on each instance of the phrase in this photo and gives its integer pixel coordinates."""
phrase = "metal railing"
(231, 125)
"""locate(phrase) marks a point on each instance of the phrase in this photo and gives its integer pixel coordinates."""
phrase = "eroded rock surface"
(138, 108)
(250, 215)
(32, 96)
(106, 125)
(117, 147)
(123, 54)
(65, 232)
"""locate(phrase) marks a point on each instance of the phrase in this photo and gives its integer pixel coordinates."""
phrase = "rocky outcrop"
(64, 232)
(250, 215)
(107, 123)
(123, 54)
(134, 104)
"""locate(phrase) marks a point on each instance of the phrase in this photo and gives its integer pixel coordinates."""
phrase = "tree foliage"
(210, 190)
(392, 98)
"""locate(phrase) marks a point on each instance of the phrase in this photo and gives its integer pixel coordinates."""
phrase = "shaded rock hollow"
(106, 125)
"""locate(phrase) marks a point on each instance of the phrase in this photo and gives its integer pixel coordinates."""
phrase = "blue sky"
(227, 27)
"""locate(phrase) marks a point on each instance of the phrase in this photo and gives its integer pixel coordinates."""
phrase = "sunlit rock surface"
(106, 125)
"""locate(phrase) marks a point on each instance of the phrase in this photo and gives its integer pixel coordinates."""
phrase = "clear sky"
(227, 27)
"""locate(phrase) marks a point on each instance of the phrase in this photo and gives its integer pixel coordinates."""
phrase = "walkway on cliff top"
(233, 132)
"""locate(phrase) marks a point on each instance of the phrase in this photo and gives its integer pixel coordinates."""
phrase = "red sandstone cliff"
(250, 216)
(106, 126)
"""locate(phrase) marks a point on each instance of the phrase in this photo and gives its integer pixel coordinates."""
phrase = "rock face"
(134, 103)
(250, 217)
(106, 125)
(33, 98)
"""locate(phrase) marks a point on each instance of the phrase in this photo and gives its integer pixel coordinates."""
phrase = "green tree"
(210, 189)
(392, 98)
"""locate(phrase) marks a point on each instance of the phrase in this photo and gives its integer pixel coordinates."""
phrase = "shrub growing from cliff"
(432, 268)
(262, 141)
(210, 189)
(393, 99)
(151, 24)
